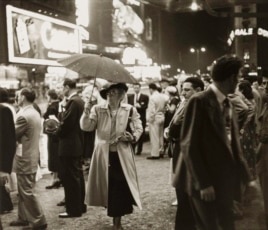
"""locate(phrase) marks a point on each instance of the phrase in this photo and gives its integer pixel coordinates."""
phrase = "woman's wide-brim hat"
(109, 86)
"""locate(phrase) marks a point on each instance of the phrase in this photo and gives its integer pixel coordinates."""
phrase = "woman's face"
(114, 95)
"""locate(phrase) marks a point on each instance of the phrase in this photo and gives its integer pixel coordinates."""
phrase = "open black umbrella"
(97, 66)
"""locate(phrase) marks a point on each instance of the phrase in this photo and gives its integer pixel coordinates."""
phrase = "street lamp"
(197, 51)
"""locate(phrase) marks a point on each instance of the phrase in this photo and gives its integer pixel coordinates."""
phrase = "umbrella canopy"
(97, 66)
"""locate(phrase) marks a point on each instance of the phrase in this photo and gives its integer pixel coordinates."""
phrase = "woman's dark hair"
(153, 86)
(245, 87)
(52, 93)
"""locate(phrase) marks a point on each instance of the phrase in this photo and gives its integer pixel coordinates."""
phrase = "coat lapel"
(217, 121)
(215, 113)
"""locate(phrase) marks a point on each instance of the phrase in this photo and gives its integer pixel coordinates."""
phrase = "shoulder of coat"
(126, 106)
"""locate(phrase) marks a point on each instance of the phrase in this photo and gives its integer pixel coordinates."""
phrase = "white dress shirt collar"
(219, 95)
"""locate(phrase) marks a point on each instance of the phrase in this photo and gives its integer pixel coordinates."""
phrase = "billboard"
(38, 39)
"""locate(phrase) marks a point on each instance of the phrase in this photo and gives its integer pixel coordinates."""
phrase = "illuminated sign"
(145, 73)
(37, 39)
(82, 12)
(239, 32)
(246, 32)
(263, 32)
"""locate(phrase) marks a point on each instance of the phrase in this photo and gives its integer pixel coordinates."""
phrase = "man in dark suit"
(184, 216)
(211, 149)
(140, 101)
(7, 151)
(262, 150)
(70, 152)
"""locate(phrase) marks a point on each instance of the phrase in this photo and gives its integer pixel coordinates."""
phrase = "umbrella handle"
(94, 84)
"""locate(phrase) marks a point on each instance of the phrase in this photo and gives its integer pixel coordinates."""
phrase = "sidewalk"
(156, 195)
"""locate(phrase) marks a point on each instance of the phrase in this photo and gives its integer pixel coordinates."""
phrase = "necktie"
(137, 98)
(227, 112)
(227, 117)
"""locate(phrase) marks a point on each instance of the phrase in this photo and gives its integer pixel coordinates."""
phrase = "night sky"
(182, 31)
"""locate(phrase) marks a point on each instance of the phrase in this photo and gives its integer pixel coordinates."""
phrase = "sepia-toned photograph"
(134, 115)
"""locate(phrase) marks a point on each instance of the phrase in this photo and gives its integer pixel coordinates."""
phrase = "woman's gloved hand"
(127, 136)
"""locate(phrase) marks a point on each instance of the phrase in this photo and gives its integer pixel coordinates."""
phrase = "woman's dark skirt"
(120, 199)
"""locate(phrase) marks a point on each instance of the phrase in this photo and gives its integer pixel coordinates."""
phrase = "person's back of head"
(29, 94)
(153, 86)
(225, 67)
(52, 94)
(69, 82)
(245, 87)
(4, 98)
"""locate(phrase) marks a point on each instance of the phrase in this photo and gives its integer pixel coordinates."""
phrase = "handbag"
(128, 128)
(50, 126)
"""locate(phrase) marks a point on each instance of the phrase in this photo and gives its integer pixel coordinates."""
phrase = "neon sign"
(57, 39)
(246, 32)
(263, 32)
(37, 39)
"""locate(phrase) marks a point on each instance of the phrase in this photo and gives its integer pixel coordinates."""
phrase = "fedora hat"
(109, 86)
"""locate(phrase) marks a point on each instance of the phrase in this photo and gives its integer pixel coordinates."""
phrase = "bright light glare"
(192, 50)
(82, 12)
(131, 54)
(202, 49)
(194, 6)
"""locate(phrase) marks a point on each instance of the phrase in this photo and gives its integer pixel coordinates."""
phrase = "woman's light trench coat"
(100, 119)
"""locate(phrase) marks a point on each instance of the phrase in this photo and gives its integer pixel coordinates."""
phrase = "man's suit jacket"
(7, 139)
(209, 159)
(28, 129)
(143, 101)
(174, 130)
(156, 107)
(70, 134)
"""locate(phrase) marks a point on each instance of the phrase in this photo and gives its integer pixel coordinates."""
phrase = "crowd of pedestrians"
(213, 128)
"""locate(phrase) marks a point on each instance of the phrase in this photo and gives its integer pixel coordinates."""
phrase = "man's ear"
(198, 89)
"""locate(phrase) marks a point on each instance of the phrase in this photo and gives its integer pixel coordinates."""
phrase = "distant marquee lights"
(246, 32)
(263, 32)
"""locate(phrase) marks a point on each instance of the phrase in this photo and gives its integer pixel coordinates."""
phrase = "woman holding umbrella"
(112, 180)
